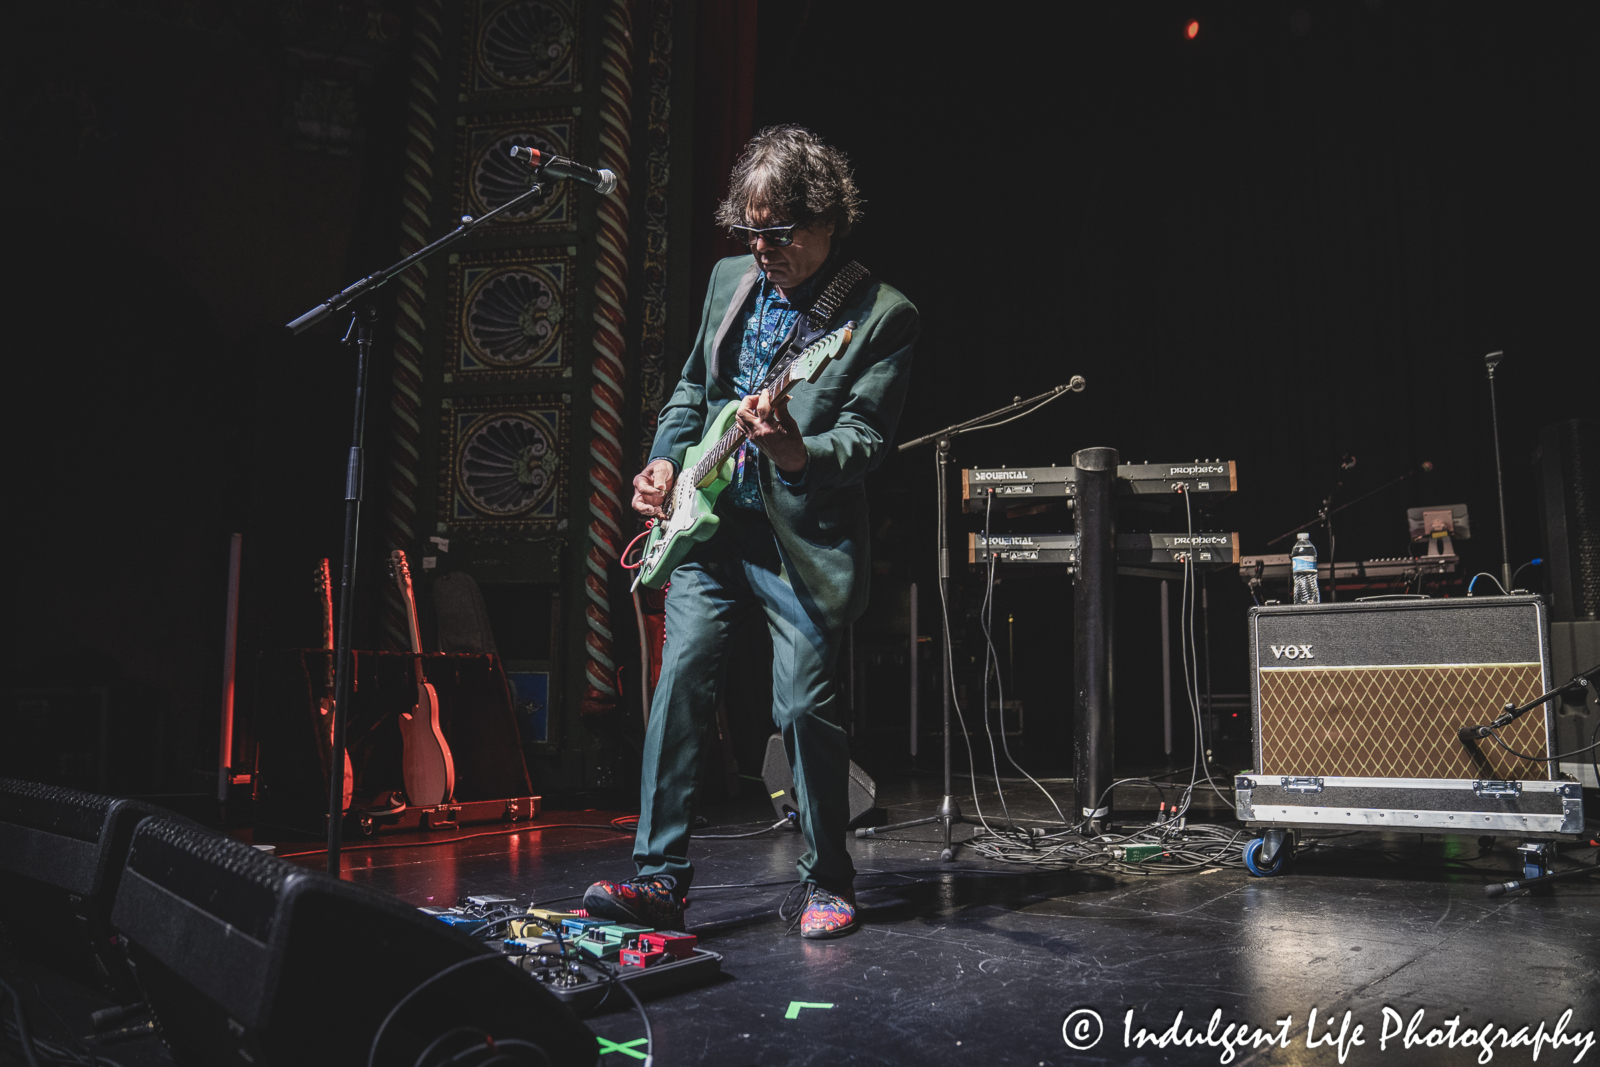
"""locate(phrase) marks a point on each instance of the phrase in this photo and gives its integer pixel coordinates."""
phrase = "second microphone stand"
(949, 811)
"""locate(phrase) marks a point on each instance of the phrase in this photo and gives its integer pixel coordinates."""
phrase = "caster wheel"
(1252, 859)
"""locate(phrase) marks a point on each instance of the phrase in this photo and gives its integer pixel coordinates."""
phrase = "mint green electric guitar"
(708, 468)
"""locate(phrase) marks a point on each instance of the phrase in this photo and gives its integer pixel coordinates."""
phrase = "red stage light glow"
(1192, 30)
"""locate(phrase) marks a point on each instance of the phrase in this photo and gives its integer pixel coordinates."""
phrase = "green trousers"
(736, 579)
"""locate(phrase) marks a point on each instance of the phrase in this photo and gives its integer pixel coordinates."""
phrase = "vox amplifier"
(1357, 709)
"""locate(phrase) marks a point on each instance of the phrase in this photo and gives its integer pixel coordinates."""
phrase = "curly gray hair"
(788, 171)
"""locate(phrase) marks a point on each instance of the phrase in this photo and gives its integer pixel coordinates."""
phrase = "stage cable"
(992, 655)
(1201, 760)
(989, 657)
(949, 674)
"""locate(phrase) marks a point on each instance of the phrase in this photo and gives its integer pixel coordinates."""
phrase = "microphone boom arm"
(1074, 386)
(350, 294)
(1425, 468)
(1511, 713)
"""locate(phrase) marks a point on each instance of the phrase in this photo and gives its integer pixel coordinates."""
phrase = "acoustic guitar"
(708, 467)
(326, 705)
(430, 771)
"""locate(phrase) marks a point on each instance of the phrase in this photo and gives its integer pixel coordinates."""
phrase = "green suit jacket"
(847, 418)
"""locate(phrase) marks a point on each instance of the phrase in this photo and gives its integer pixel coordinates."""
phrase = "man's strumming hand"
(651, 487)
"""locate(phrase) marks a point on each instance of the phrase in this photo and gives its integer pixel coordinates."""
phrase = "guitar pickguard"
(693, 517)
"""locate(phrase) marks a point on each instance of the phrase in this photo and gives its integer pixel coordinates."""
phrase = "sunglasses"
(777, 236)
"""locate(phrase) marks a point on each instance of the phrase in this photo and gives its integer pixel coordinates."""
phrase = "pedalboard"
(579, 958)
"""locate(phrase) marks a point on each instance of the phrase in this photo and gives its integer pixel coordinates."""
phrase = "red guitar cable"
(623, 559)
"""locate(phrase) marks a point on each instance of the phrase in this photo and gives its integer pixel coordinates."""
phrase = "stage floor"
(979, 962)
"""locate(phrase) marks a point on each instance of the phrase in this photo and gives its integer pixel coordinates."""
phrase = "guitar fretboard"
(719, 453)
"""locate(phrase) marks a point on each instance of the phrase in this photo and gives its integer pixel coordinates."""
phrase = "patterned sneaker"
(821, 914)
(648, 900)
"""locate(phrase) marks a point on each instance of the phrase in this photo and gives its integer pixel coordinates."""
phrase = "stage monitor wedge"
(246, 958)
(61, 857)
(779, 780)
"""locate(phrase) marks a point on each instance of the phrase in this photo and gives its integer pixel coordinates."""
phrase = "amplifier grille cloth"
(1398, 722)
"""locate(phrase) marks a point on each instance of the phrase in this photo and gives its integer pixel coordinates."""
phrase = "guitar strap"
(813, 323)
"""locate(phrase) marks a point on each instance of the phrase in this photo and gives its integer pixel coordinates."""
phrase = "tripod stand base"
(949, 814)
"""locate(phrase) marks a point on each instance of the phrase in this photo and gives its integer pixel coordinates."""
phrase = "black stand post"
(361, 327)
(1326, 516)
(949, 812)
(1333, 571)
(1490, 362)
(1092, 602)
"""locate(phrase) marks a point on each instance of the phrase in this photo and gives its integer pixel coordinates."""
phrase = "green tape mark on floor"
(626, 1047)
(796, 1005)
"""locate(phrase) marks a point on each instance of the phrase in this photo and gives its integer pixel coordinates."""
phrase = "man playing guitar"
(793, 546)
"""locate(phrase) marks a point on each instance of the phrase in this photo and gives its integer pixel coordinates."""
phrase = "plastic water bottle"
(1303, 570)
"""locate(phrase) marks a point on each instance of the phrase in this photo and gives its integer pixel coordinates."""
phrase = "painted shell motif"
(512, 318)
(507, 464)
(526, 43)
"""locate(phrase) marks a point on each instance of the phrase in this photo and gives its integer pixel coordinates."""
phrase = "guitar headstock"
(400, 570)
(809, 365)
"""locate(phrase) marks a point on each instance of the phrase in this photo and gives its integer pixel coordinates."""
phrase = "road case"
(1357, 709)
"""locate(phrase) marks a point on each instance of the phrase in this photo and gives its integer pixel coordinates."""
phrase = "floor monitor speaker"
(61, 857)
(779, 779)
(246, 958)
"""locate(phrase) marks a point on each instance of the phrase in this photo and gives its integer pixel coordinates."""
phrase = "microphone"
(1074, 386)
(1471, 734)
(559, 167)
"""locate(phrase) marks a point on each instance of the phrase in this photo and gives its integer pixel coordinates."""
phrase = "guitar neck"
(729, 442)
(325, 602)
(402, 577)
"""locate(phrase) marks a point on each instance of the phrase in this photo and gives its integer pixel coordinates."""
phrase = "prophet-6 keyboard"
(1013, 486)
(1208, 549)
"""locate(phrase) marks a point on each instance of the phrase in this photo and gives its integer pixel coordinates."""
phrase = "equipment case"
(1357, 707)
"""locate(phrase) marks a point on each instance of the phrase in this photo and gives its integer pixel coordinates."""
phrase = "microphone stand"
(361, 328)
(1490, 362)
(1326, 513)
(1502, 888)
(1324, 519)
(1327, 524)
(1512, 713)
(949, 812)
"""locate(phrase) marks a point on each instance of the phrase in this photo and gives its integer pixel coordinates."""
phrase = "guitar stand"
(949, 812)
